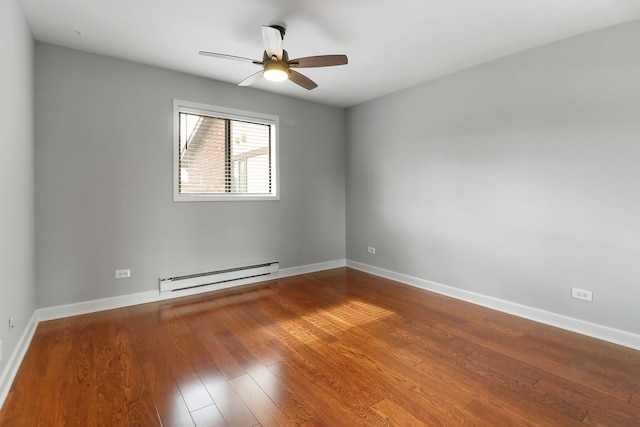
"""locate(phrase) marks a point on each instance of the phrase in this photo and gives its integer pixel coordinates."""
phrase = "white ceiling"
(391, 44)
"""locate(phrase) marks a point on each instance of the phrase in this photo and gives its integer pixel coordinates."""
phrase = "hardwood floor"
(335, 348)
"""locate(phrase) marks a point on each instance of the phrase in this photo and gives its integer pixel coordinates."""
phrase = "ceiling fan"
(276, 65)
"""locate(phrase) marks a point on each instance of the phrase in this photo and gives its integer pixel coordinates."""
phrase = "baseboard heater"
(190, 281)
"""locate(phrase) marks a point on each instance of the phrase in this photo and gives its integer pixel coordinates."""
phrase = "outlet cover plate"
(123, 274)
(581, 294)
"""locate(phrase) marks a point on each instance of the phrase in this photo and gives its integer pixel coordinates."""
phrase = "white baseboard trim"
(605, 333)
(311, 268)
(15, 360)
(85, 307)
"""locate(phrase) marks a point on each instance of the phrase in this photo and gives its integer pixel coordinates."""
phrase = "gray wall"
(104, 181)
(17, 286)
(517, 179)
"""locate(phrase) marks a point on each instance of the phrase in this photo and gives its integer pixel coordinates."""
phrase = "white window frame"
(181, 106)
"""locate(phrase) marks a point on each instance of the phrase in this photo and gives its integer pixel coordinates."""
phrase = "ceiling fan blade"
(301, 80)
(272, 38)
(319, 61)
(251, 79)
(225, 56)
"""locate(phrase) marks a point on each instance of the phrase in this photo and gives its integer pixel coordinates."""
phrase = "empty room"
(305, 213)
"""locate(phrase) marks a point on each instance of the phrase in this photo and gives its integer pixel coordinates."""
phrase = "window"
(223, 154)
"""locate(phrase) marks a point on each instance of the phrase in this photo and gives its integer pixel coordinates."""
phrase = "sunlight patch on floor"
(344, 316)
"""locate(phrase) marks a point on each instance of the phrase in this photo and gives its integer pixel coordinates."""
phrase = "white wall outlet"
(371, 250)
(581, 294)
(123, 274)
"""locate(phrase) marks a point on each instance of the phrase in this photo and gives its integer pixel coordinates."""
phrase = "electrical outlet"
(12, 324)
(123, 274)
(581, 294)
(371, 250)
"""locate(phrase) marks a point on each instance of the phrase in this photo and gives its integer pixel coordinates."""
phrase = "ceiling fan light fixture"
(276, 71)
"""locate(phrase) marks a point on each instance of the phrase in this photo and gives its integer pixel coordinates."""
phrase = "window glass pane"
(202, 156)
(251, 147)
(257, 169)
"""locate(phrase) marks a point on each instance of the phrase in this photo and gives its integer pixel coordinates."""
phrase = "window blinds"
(223, 155)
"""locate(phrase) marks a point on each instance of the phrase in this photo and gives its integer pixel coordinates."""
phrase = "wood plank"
(233, 409)
(396, 415)
(249, 334)
(228, 363)
(171, 407)
(494, 413)
(256, 399)
(51, 409)
(81, 405)
(327, 410)
(209, 416)
(331, 375)
(142, 413)
(19, 410)
(177, 358)
(226, 400)
(297, 410)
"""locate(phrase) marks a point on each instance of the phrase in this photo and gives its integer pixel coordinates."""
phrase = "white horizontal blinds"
(250, 158)
(220, 155)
